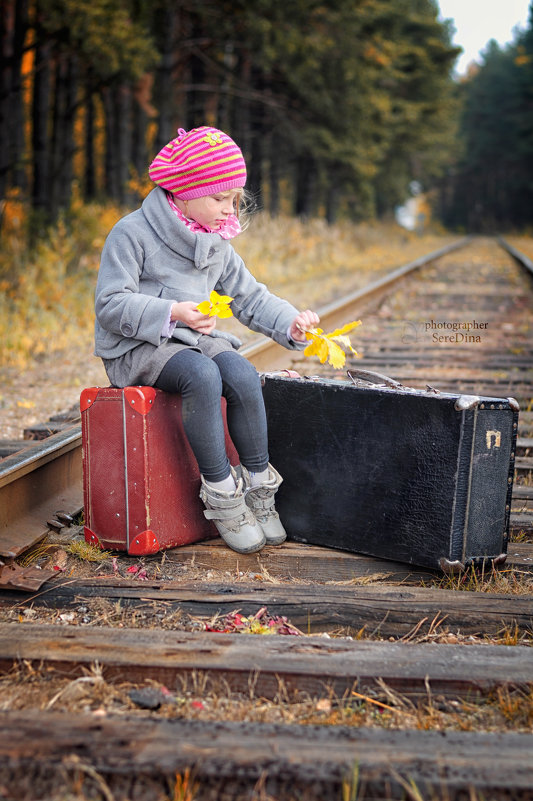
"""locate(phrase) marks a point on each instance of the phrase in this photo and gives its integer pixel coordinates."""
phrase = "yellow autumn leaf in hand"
(330, 346)
(340, 332)
(216, 306)
(318, 346)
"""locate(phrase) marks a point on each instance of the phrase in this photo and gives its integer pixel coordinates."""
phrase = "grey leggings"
(201, 381)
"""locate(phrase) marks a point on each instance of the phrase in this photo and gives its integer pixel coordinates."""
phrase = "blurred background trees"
(489, 187)
(338, 107)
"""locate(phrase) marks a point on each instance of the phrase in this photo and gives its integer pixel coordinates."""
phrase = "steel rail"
(37, 482)
(268, 355)
(517, 255)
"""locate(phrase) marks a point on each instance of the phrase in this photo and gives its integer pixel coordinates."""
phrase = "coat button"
(211, 253)
(127, 330)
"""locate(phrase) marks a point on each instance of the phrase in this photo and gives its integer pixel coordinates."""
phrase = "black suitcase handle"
(378, 379)
(373, 378)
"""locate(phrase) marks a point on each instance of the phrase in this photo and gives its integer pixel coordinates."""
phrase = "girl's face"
(211, 211)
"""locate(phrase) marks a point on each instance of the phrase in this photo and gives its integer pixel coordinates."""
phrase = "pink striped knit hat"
(199, 162)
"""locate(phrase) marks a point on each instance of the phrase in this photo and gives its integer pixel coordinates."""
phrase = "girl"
(158, 264)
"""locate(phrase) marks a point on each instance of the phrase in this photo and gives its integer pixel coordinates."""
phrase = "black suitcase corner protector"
(510, 478)
(462, 495)
(457, 558)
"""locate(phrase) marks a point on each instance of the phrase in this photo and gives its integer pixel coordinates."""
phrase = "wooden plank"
(520, 557)
(296, 560)
(308, 665)
(39, 431)
(303, 561)
(230, 758)
(300, 560)
(376, 608)
(521, 522)
(522, 493)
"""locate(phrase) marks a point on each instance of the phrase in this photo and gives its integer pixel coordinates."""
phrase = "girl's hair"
(244, 205)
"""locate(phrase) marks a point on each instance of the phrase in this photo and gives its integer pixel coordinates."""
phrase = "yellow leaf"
(216, 306)
(344, 341)
(318, 347)
(216, 298)
(222, 311)
(25, 404)
(256, 627)
(204, 307)
(345, 329)
(337, 357)
(330, 347)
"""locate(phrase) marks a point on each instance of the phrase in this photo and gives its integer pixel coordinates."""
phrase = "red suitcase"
(140, 478)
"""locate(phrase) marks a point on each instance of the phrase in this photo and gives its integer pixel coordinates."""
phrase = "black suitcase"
(417, 476)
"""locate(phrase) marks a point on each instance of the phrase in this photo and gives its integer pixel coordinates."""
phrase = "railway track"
(458, 321)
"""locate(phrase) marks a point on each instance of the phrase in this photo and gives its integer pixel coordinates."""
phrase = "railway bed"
(401, 640)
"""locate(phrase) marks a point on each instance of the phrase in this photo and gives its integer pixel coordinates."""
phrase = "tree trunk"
(139, 151)
(40, 109)
(164, 26)
(62, 143)
(5, 84)
(305, 185)
(117, 103)
(257, 140)
(241, 123)
(122, 147)
(332, 200)
(13, 28)
(110, 162)
(255, 169)
(69, 145)
(224, 101)
(274, 177)
(17, 101)
(89, 187)
(195, 97)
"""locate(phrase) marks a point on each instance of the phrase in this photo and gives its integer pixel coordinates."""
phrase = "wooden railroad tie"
(317, 762)
(378, 608)
(302, 666)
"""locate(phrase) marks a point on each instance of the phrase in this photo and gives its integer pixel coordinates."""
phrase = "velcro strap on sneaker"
(258, 500)
(233, 502)
(224, 514)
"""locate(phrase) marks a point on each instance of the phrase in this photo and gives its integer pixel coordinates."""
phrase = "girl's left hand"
(305, 320)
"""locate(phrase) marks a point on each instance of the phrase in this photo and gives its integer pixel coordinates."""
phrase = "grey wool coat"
(150, 260)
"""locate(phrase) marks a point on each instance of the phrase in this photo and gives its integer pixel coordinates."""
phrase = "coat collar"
(199, 248)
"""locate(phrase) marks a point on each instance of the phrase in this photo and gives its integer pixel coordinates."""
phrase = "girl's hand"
(186, 312)
(305, 320)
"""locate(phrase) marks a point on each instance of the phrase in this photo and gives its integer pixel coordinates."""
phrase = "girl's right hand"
(186, 312)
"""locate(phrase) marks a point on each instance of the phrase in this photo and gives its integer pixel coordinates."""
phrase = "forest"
(338, 107)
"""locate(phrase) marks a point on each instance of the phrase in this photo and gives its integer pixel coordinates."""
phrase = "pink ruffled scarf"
(230, 228)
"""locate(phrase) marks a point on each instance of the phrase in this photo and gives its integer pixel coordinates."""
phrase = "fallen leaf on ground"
(260, 623)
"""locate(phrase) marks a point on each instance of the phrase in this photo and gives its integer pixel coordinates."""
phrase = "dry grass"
(87, 552)
(46, 294)
(198, 697)
(505, 581)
